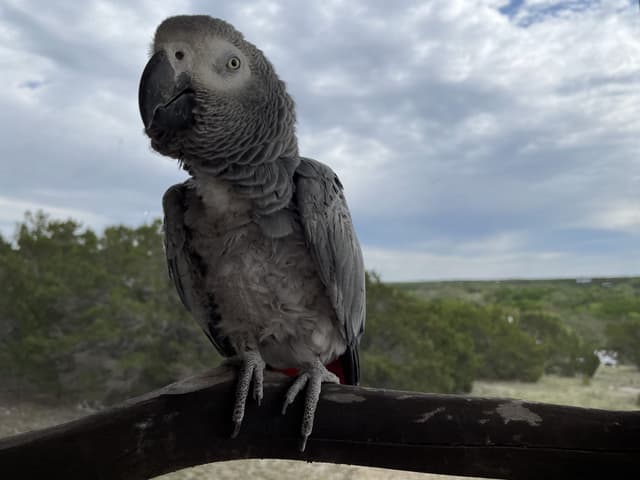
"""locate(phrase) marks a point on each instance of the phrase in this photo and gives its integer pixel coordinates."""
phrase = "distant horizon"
(593, 279)
(100, 231)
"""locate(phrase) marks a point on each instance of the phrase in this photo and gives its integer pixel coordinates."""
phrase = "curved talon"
(236, 429)
(258, 384)
(252, 366)
(312, 379)
(303, 443)
(294, 389)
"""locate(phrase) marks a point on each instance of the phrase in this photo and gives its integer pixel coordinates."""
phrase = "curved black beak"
(166, 102)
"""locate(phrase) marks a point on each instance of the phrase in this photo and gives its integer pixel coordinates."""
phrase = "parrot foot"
(312, 378)
(251, 367)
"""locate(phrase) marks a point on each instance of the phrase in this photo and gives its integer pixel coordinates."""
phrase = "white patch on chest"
(219, 198)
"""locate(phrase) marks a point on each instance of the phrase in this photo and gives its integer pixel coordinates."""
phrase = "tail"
(349, 364)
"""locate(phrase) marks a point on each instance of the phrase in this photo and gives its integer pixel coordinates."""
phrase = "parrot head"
(210, 98)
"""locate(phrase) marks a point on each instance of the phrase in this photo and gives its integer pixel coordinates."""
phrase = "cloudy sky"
(475, 139)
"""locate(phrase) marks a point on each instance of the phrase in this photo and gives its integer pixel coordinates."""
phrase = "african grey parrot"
(259, 240)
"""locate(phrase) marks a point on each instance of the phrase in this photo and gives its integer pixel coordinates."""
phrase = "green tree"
(624, 337)
(50, 293)
(92, 316)
(405, 347)
(504, 351)
(565, 352)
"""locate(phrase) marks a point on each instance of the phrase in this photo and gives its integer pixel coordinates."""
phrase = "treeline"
(91, 316)
(603, 312)
(95, 316)
(444, 344)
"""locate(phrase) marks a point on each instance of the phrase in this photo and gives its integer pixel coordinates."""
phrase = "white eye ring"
(233, 63)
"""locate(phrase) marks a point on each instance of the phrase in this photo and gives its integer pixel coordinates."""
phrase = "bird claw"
(312, 379)
(303, 443)
(236, 429)
(251, 367)
(258, 383)
(294, 389)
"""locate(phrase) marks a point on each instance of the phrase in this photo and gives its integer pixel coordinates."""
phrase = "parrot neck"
(261, 174)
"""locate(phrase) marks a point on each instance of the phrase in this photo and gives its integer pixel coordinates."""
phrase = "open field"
(611, 388)
(615, 388)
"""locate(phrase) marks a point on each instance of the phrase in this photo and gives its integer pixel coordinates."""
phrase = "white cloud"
(417, 265)
(620, 217)
(362, 163)
(448, 122)
(9, 206)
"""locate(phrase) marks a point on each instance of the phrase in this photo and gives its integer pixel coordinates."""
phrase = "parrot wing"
(331, 238)
(186, 269)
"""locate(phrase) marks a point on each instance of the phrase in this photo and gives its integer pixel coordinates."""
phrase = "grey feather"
(276, 225)
(180, 267)
(183, 266)
(334, 247)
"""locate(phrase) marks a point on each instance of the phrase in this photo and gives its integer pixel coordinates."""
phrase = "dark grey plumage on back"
(259, 241)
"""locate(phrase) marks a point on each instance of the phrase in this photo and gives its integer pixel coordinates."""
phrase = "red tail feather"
(334, 367)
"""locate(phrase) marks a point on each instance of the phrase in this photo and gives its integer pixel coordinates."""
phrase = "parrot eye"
(179, 55)
(233, 63)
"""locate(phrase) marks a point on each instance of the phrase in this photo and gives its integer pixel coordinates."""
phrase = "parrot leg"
(312, 378)
(251, 367)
